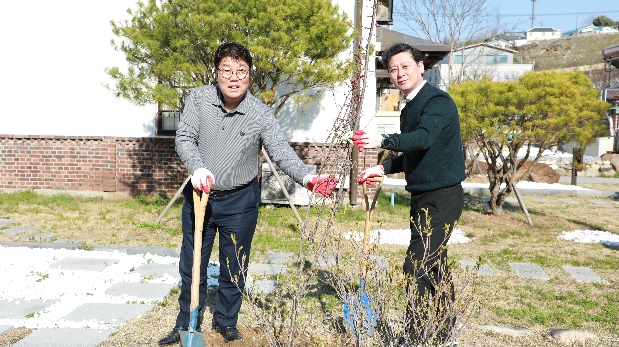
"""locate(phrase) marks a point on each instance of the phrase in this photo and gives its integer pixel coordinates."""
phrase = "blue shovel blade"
(360, 306)
(192, 339)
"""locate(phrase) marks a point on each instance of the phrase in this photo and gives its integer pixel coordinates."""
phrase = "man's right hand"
(202, 179)
(374, 171)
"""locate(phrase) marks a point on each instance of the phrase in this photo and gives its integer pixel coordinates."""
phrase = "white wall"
(315, 123)
(53, 57)
(53, 61)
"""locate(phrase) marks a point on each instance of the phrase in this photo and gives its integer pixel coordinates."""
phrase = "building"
(542, 33)
(64, 131)
(474, 62)
(388, 98)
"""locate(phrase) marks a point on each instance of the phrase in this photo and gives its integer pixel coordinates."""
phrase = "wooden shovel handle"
(199, 210)
(368, 216)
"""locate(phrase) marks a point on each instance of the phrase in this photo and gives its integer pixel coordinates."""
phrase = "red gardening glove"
(374, 171)
(364, 140)
(322, 185)
(203, 180)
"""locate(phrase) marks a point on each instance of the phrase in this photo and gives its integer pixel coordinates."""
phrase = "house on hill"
(542, 33)
(474, 62)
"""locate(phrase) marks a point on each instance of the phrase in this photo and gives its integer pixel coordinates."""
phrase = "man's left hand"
(364, 140)
(322, 185)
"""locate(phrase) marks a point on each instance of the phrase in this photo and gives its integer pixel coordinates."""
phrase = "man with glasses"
(219, 138)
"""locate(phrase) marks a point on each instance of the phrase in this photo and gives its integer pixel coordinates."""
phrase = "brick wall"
(128, 165)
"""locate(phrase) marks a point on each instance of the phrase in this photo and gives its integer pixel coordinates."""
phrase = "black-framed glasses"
(227, 73)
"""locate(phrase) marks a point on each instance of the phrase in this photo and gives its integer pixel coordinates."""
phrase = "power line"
(529, 15)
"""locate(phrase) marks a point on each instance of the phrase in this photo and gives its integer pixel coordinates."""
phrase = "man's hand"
(374, 171)
(364, 140)
(202, 179)
(322, 185)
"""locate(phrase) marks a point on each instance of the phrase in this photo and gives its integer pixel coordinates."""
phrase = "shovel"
(191, 337)
(360, 306)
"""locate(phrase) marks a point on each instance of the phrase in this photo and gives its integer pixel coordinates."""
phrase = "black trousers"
(233, 214)
(426, 255)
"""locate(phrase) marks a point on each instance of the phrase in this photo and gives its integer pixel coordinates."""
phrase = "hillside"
(566, 52)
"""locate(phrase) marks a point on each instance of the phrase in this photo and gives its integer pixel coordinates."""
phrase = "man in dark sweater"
(432, 161)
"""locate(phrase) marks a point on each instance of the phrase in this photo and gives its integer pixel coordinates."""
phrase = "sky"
(560, 14)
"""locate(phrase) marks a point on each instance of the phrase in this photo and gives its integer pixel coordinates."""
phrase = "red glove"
(374, 171)
(203, 180)
(322, 185)
(365, 140)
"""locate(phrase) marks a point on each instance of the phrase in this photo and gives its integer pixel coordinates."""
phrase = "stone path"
(12, 313)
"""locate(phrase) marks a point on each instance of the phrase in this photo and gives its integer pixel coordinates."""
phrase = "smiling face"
(233, 88)
(404, 72)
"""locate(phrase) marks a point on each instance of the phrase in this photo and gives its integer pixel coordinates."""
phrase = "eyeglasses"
(227, 73)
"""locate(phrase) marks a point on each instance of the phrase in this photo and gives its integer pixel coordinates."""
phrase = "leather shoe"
(173, 337)
(230, 333)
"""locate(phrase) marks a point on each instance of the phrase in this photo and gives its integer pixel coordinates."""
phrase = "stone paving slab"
(541, 200)
(584, 274)
(278, 257)
(145, 291)
(162, 251)
(6, 221)
(599, 202)
(73, 242)
(526, 270)
(568, 201)
(511, 331)
(108, 313)
(18, 230)
(18, 309)
(158, 270)
(87, 264)
(5, 328)
(42, 236)
(265, 286)
(63, 337)
(484, 270)
(266, 269)
(379, 261)
(512, 201)
(327, 260)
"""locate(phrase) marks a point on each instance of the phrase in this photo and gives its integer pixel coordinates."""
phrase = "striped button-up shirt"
(228, 143)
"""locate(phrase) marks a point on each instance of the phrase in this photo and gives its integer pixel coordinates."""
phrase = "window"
(167, 122)
(386, 128)
(496, 59)
(458, 59)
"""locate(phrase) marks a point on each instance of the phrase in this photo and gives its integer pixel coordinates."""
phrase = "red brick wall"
(132, 165)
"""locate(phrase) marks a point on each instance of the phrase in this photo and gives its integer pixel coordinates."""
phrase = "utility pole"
(533, 13)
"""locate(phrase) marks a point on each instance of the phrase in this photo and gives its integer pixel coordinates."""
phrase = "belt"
(219, 193)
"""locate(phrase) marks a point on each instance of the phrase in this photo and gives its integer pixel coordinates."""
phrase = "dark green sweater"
(430, 142)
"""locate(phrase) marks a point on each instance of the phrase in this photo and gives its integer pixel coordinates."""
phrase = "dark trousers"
(233, 214)
(426, 257)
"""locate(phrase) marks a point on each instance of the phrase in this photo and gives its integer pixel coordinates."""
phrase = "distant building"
(590, 29)
(475, 62)
(508, 39)
(543, 33)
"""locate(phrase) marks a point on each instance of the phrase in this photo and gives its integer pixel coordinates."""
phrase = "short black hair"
(398, 48)
(232, 50)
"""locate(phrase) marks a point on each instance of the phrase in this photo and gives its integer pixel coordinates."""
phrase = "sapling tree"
(541, 109)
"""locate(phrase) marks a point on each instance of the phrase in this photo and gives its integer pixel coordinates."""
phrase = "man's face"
(233, 80)
(404, 72)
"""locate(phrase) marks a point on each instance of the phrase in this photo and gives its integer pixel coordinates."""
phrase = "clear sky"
(561, 14)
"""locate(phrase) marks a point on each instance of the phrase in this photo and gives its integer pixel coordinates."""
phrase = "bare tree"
(452, 22)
